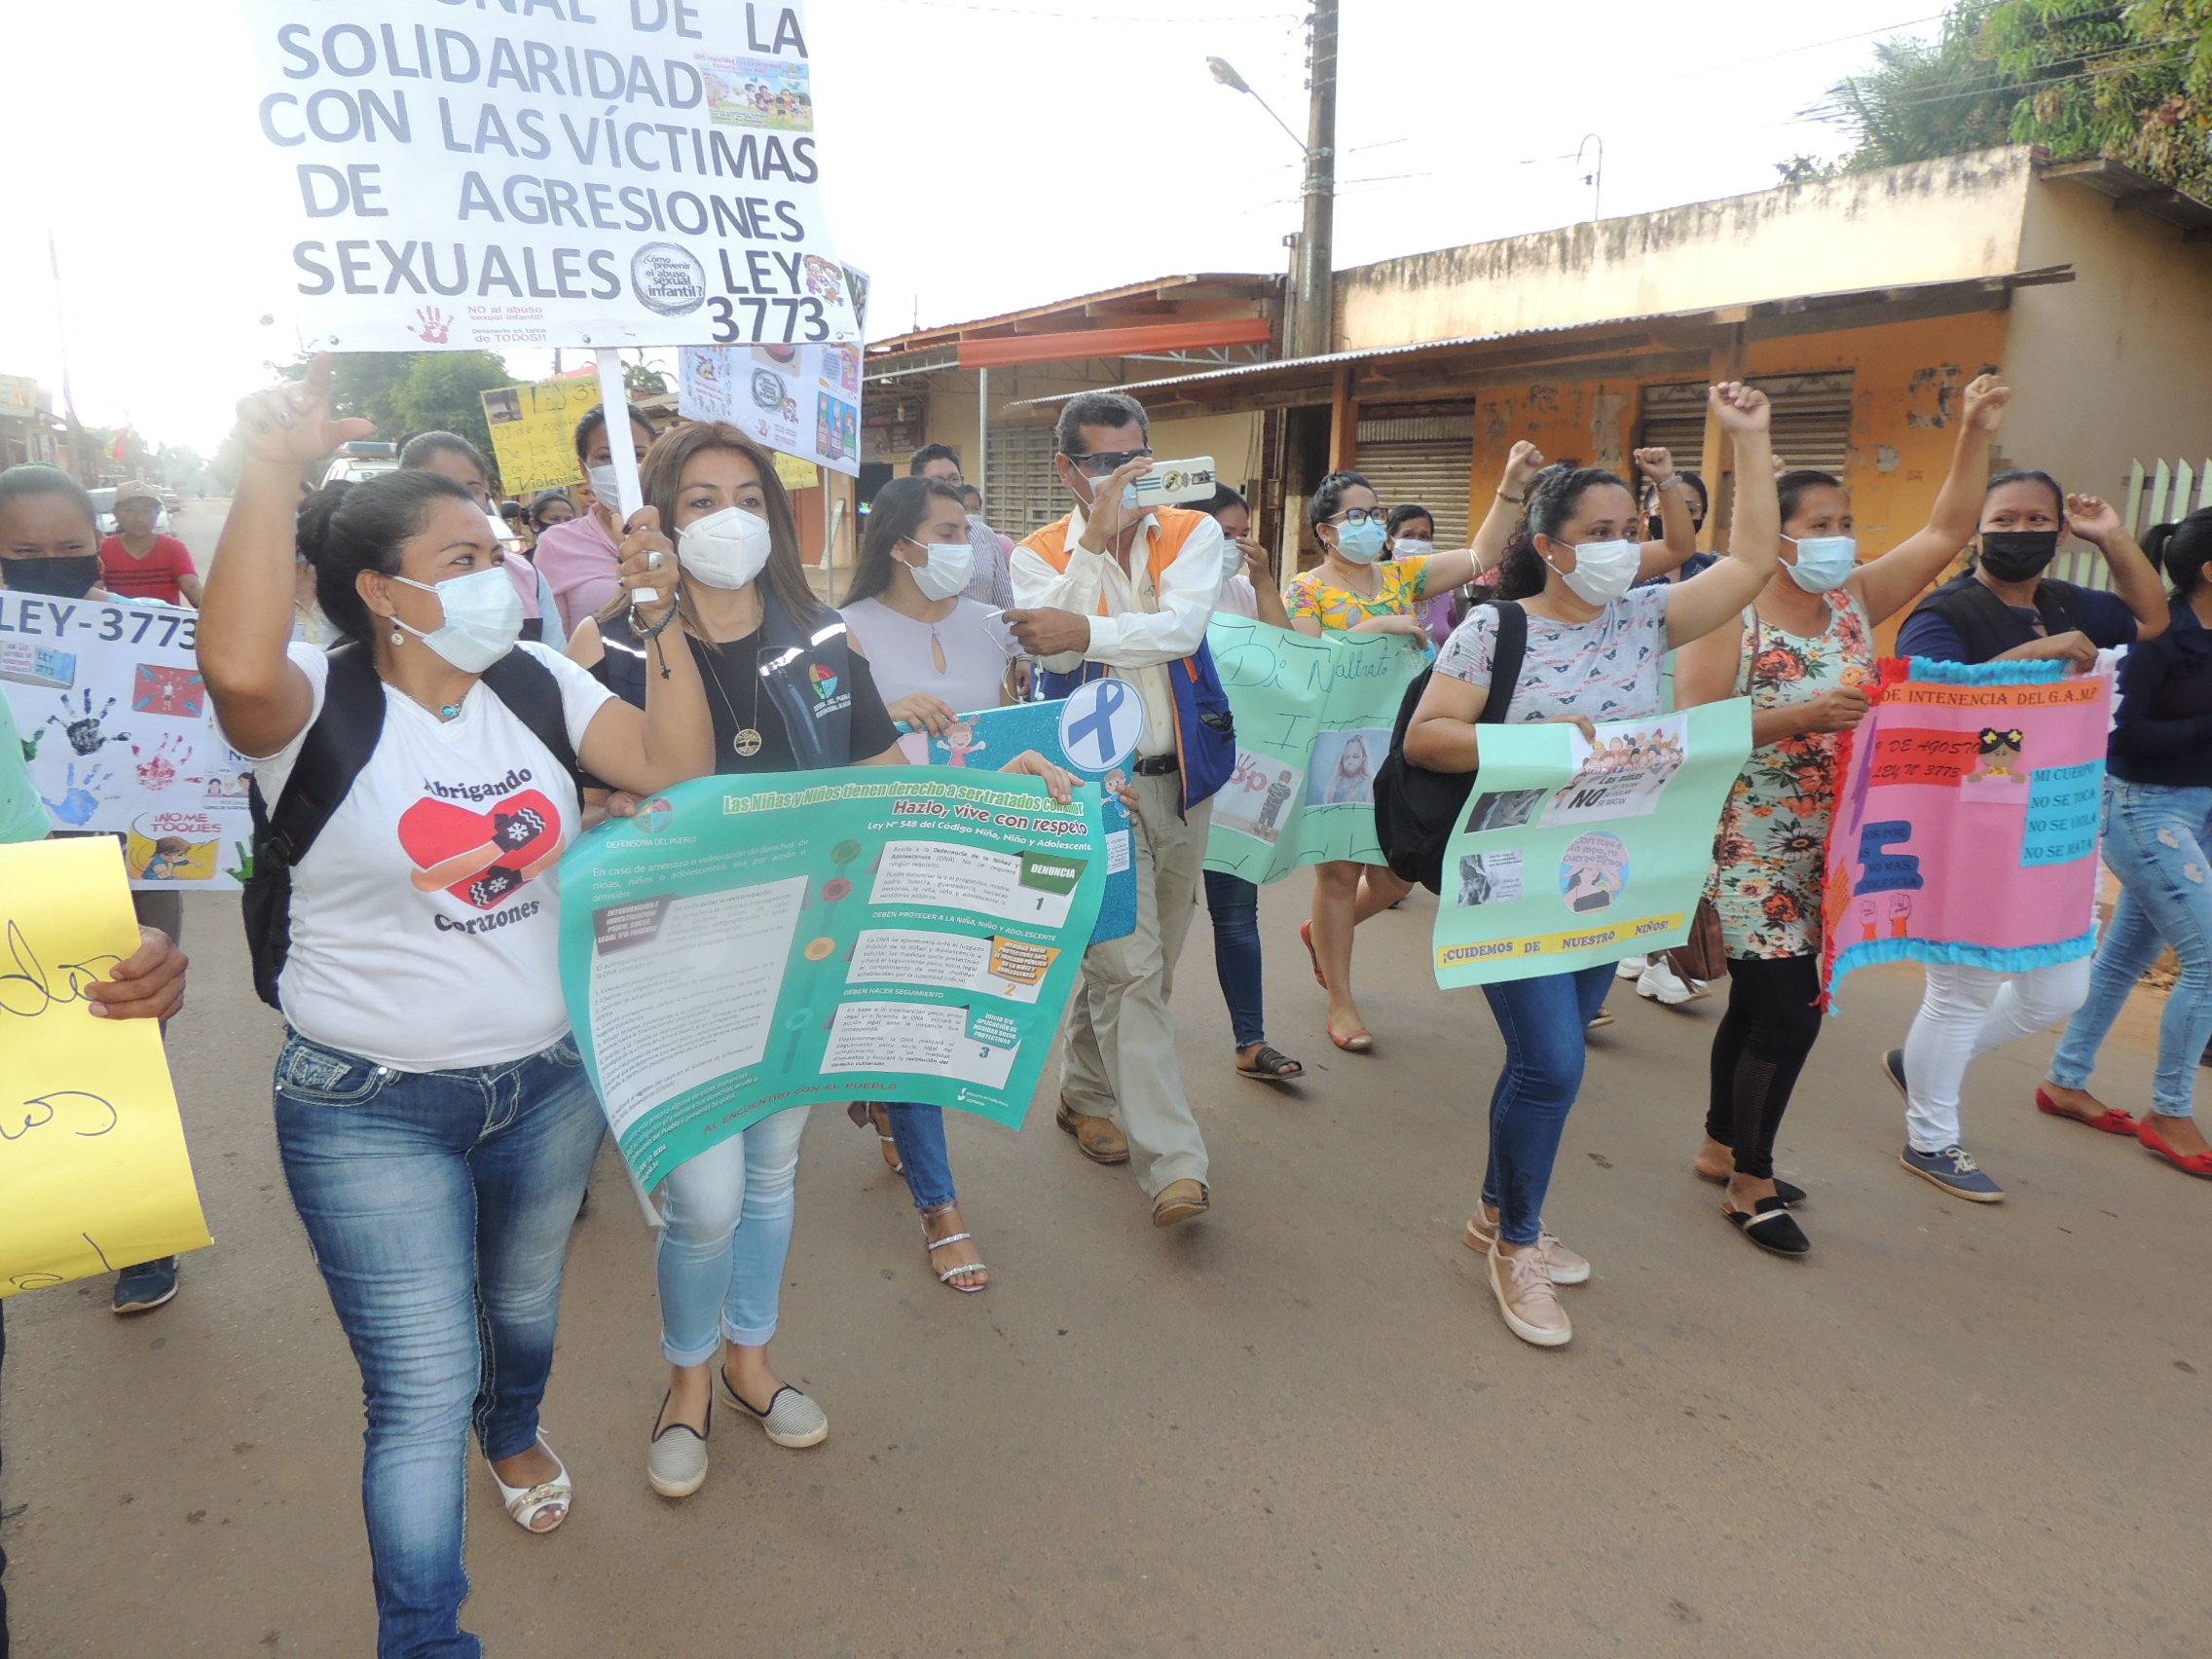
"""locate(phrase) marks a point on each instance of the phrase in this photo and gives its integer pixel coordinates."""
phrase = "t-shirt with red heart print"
(426, 916)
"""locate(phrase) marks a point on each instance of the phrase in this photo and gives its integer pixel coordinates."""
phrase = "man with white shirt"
(1114, 590)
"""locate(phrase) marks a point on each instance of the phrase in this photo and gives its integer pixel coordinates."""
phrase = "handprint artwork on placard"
(159, 769)
(83, 728)
(80, 799)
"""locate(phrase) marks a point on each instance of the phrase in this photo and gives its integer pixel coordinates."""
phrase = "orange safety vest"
(1174, 528)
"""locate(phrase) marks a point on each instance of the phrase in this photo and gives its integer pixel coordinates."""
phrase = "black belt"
(1156, 765)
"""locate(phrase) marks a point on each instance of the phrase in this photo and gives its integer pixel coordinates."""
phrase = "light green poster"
(1570, 854)
(883, 932)
(1314, 719)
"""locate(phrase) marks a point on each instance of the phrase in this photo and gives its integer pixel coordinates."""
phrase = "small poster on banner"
(801, 401)
(463, 178)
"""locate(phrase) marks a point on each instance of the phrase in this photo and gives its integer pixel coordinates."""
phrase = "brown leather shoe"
(1096, 1138)
(1179, 1200)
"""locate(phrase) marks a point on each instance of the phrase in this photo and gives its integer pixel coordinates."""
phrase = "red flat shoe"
(2193, 1163)
(1305, 933)
(2115, 1122)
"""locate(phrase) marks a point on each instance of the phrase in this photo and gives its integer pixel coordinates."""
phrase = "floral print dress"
(1770, 857)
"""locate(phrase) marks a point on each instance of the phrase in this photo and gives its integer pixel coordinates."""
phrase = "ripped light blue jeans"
(2159, 842)
(730, 1228)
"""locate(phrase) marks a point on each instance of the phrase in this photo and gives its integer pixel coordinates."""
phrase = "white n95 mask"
(950, 565)
(725, 550)
(1603, 571)
(483, 617)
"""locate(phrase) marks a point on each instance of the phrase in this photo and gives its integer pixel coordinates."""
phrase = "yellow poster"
(534, 430)
(797, 473)
(93, 1173)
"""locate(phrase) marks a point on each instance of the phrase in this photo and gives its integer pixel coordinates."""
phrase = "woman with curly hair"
(1804, 651)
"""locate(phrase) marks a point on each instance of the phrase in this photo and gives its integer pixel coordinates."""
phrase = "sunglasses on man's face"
(1108, 462)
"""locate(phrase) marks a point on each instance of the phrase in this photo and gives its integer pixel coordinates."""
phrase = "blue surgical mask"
(1361, 542)
(1823, 562)
(483, 617)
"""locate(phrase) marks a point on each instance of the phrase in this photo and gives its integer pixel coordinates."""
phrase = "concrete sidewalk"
(1295, 1427)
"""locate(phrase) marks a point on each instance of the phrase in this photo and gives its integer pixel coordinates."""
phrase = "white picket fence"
(2168, 490)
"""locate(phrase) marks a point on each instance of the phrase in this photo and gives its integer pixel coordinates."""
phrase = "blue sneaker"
(1957, 1173)
(146, 1286)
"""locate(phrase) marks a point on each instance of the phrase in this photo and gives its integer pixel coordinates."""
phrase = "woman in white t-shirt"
(434, 1119)
(1595, 645)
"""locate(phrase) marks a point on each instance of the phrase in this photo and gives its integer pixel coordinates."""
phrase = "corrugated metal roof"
(920, 339)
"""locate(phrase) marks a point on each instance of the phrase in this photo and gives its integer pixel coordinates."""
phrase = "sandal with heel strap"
(526, 1504)
(864, 1115)
(946, 1277)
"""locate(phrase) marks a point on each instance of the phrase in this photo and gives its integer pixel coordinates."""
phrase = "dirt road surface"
(1296, 1426)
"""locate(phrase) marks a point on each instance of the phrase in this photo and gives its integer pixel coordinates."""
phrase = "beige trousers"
(1120, 1060)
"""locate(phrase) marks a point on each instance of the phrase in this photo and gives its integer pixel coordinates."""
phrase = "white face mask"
(725, 550)
(1231, 556)
(950, 565)
(483, 618)
(606, 485)
(1405, 549)
(1603, 571)
(1823, 562)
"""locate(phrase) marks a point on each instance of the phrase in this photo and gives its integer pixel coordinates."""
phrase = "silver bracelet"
(1669, 482)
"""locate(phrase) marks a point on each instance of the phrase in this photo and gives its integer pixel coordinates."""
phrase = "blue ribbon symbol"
(1099, 723)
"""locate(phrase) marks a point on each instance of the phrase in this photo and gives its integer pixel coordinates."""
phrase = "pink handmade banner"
(1965, 826)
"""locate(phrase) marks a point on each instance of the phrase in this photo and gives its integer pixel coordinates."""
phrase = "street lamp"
(1596, 177)
(1228, 76)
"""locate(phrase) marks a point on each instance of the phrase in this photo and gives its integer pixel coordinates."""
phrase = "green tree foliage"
(442, 392)
(1922, 100)
(642, 379)
(2131, 81)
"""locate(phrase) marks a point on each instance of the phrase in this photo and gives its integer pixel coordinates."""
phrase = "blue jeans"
(1234, 903)
(919, 1131)
(438, 1207)
(2158, 843)
(729, 1228)
(1542, 1022)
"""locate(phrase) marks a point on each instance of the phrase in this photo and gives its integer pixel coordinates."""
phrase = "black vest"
(1990, 627)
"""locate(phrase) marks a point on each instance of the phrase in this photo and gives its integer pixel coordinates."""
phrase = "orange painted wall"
(1905, 379)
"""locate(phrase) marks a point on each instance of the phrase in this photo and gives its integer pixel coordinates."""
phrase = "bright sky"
(976, 158)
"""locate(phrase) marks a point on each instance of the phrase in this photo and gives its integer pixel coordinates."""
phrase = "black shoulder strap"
(1507, 660)
(337, 746)
(533, 697)
(2058, 604)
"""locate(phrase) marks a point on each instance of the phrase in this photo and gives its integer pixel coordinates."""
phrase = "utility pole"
(1315, 309)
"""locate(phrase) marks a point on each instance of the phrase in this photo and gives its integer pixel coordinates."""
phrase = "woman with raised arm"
(1803, 654)
(2157, 838)
(2006, 609)
(1593, 652)
(433, 1113)
(753, 629)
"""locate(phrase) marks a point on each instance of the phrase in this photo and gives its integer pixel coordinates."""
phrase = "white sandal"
(951, 1274)
(525, 1504)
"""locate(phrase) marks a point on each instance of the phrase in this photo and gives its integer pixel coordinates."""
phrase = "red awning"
(1012, 351)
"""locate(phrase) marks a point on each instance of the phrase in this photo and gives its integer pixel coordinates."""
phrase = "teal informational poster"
(745, 946)
(1314, 719)
(1571, 854)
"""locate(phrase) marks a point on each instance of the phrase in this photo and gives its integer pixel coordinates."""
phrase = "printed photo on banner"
(1624, 775)
(471, 179)
(1537, 890)
(1313, 720)
(800, 402)
(119, 736)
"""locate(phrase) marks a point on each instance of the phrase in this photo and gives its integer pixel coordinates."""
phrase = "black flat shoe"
(1782, 1190)
(1772, 1228)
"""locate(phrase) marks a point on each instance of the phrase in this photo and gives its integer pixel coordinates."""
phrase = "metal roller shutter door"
(1427, 458)
(1022, 490)
(1812, 419)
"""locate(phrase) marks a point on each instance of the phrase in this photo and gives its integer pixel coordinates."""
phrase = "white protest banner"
(120, 734)
(547, 172)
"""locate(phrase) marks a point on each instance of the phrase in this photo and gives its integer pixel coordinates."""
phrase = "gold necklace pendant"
(746, 741)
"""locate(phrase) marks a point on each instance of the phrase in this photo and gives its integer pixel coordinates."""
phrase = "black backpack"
(1416, 808)
(337, 746)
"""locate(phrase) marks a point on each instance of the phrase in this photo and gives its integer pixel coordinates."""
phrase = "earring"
(397, 638)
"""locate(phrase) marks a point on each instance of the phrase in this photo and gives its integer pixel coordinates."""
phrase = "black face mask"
(68, 577)
(2017, 555)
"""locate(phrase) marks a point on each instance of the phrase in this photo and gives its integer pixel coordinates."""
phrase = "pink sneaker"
(1521, 1282)
(1567, 1266)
